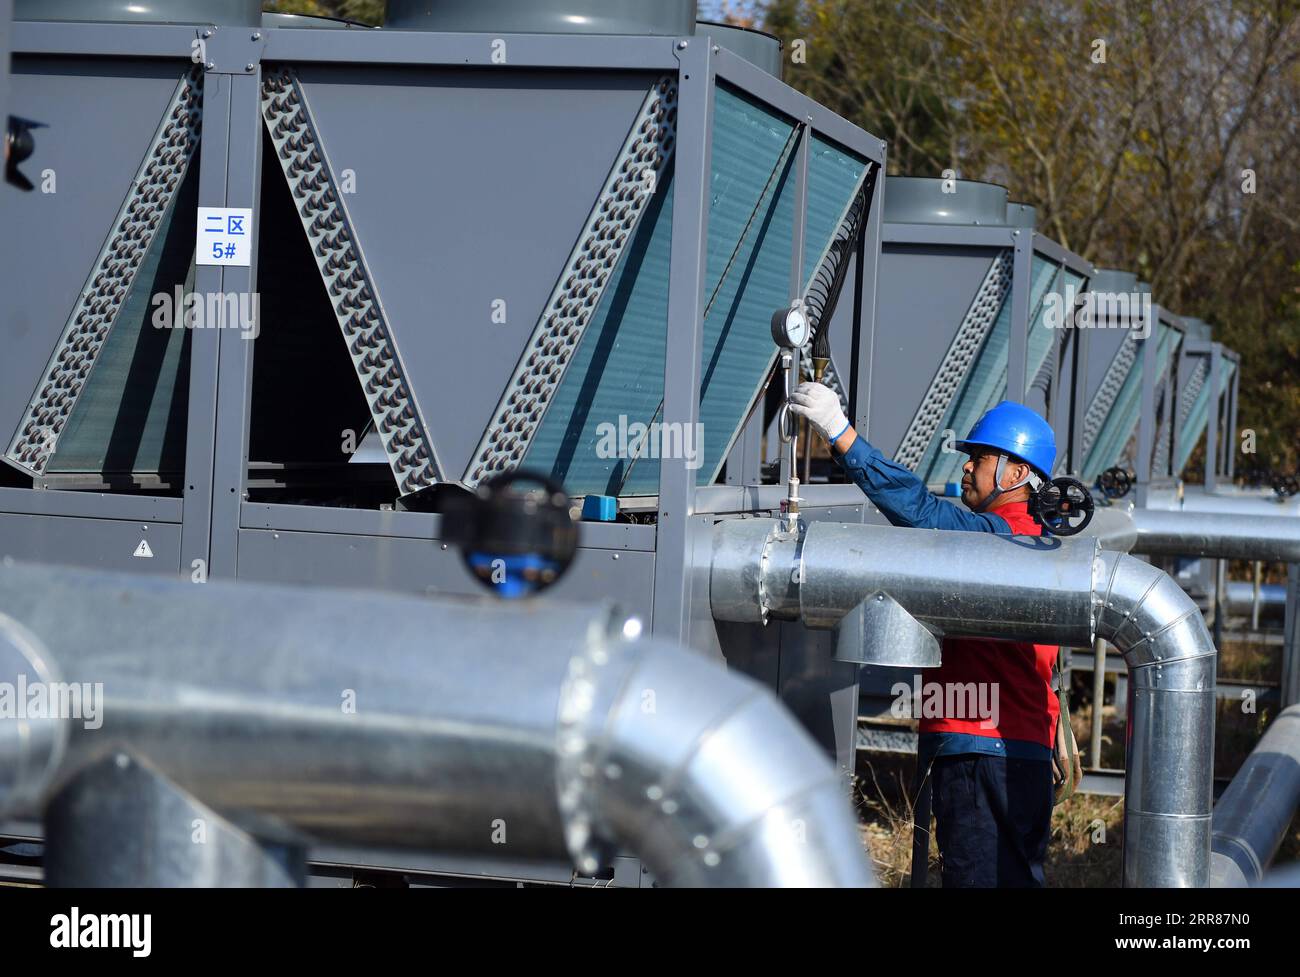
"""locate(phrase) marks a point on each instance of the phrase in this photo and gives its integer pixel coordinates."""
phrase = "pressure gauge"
(790, 327)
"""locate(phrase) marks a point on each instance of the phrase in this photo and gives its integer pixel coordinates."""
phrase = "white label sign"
(225, 236)
(143, 550)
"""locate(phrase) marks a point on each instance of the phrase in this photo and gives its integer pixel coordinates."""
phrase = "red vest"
(1014, 676)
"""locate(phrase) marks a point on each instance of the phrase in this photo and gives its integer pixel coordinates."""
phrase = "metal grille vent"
(111, 278)
(1160, 461)
(613, 220)
(972, 333)
(1111, 384)
(348, 281)
(1195, 382)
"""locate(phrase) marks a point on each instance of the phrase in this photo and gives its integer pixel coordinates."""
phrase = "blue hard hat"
(1015, 429)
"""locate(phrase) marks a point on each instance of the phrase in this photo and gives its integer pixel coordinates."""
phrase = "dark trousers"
(993, 819)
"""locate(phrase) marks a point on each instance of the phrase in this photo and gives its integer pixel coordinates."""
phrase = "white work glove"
(821, 405)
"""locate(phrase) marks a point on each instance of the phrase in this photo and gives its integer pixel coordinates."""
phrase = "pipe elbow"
(1170, 747)
(702, 773)
(1158, 629)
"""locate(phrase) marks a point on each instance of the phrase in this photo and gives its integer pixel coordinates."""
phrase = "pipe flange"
(32, 736)
(742, 551)
(764, 559)
(589, 691)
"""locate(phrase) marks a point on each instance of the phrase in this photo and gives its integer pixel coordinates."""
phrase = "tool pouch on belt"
(1067, 768)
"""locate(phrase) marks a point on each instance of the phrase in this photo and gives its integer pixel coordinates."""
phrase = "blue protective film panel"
(616, 377)
(737, 333)
(597, 435)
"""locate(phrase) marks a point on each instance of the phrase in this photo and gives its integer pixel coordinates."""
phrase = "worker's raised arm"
(903, 498)
(896, 490)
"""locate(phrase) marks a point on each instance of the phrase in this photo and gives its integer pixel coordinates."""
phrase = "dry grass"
(1087, 843)
(881, 789)
(1086, 830)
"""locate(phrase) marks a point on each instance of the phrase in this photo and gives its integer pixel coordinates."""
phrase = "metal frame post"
(1212, 409)
(1060, 424)
(1058, 419)
(865, 337)
(682, 368)
(1018, 341)
(1147, 409)
(1223, 406)
(6, 21)
(1290, 690)
(1170, 404)
(804, 138)
(1078, 398)
(1230, 439)
(235, 372)
(200, 437)
(1183, 361)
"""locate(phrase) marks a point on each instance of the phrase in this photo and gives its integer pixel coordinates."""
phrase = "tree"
(364, 11)
(1151, 135)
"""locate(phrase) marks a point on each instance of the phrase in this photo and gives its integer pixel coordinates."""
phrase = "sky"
(713, 9)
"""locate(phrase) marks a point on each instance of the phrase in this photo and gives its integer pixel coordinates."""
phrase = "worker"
(992, 783)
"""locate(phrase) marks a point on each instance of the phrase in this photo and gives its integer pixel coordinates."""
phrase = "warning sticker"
(143, 549)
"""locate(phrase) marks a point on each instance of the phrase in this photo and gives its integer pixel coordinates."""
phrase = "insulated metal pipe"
(994, 586)
(1112, 526)
(1256, 809)
(1012, 587)
(1226, 499)
(1215, 534)
(1025, 589)
(1098, 699)
(530, 730)
(1169, 746)
(1187, 533)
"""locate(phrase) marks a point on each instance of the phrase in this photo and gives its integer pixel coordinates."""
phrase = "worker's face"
(979, 476)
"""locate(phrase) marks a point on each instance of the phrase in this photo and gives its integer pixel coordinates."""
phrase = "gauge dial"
(790, 327)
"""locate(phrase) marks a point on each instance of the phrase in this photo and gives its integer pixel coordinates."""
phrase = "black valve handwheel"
(1115, 482)
(1062, 506)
